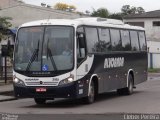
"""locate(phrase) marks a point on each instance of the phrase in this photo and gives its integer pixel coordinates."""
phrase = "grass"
(154, 70)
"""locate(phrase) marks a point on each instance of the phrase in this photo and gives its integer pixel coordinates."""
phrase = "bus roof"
(91, 21)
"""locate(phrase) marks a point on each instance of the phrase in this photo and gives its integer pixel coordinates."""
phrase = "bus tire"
(40, 101)
(128, 90)
(91, 95)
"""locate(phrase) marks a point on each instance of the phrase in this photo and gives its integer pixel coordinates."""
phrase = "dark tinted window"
(81, 46)
(104, 40)
(92, 39)
(115, 40)
(142, 41)
(156, 23)
(125, 40)
(134, 40)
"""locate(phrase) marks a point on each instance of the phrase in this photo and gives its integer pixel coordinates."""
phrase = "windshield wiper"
(49, 52)
(33, 57)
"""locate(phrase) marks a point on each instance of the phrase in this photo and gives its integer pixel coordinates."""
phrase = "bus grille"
(44, 83)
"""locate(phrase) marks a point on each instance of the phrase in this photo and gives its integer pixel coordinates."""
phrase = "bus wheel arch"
(130, 72)
(95, 80)
(128, 90)
(92, 90)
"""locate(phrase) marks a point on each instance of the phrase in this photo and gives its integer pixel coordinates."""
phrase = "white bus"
(78, 58)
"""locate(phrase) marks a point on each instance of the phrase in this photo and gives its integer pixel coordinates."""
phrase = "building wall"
(154, 47)
(7, 3)
(153, 60)
(152, 32)
(23, 13)
(153, 40)
(26, 13)
(154, 54)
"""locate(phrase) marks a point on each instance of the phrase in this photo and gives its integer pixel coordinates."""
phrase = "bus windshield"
(47, 48)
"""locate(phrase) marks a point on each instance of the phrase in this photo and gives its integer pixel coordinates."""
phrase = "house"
(8, 3)
(22, 13)
(151, 22)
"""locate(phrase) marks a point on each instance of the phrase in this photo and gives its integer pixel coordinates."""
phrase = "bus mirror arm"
(81, 40)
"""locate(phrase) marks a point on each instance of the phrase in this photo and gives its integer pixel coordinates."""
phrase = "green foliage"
(118, 16)
(101, 12)
(4, 25)
(64, 7)
(154, 70)
(127, 10)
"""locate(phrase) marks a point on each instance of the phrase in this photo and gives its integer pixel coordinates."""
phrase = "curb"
(6, 94)
(9, 99)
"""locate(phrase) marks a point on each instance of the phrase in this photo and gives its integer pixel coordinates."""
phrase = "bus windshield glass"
(47, 48)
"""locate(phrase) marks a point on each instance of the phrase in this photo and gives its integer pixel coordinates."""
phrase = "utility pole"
(5, 67)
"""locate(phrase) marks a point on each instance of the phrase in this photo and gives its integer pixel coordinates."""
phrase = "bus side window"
(116, 40)
(92, 39)
(81, 45)
(125, 40)
(142, 41)
(134, 40)
(104, 40)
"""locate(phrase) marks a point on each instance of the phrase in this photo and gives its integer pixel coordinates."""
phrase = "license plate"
(41, 89)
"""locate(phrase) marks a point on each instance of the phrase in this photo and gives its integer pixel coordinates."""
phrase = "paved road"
(146, 99)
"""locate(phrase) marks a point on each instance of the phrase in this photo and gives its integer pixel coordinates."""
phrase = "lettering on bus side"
(114, 62)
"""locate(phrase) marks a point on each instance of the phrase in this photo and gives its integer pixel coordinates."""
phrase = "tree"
(101, 12)
(4, 25)
(127, 10)
(64, 7)
(20, 1)
(118, 16)
(140, 10)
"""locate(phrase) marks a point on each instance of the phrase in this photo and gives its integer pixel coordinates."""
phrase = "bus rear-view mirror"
(81, 40)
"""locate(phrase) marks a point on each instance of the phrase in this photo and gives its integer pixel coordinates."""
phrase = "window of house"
(156, 23)
(141, 24)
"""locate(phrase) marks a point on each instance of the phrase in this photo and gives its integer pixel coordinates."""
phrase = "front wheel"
(91, 94)
(40, 101)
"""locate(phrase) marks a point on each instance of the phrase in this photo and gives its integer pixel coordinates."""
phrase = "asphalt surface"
(145, 100)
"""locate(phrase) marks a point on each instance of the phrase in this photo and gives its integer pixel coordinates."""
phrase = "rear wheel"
(91, 95)
(128, 90)
(40, 101)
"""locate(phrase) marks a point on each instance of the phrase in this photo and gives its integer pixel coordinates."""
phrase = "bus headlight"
(18, 82)
(67, 80)
(15, 80)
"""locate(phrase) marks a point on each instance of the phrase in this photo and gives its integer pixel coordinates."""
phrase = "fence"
(9, 73)
(153, 60)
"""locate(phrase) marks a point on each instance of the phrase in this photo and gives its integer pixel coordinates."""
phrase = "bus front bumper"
(71, 90)
(65, 91)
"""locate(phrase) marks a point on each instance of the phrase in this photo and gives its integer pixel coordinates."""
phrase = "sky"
(112, 5)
